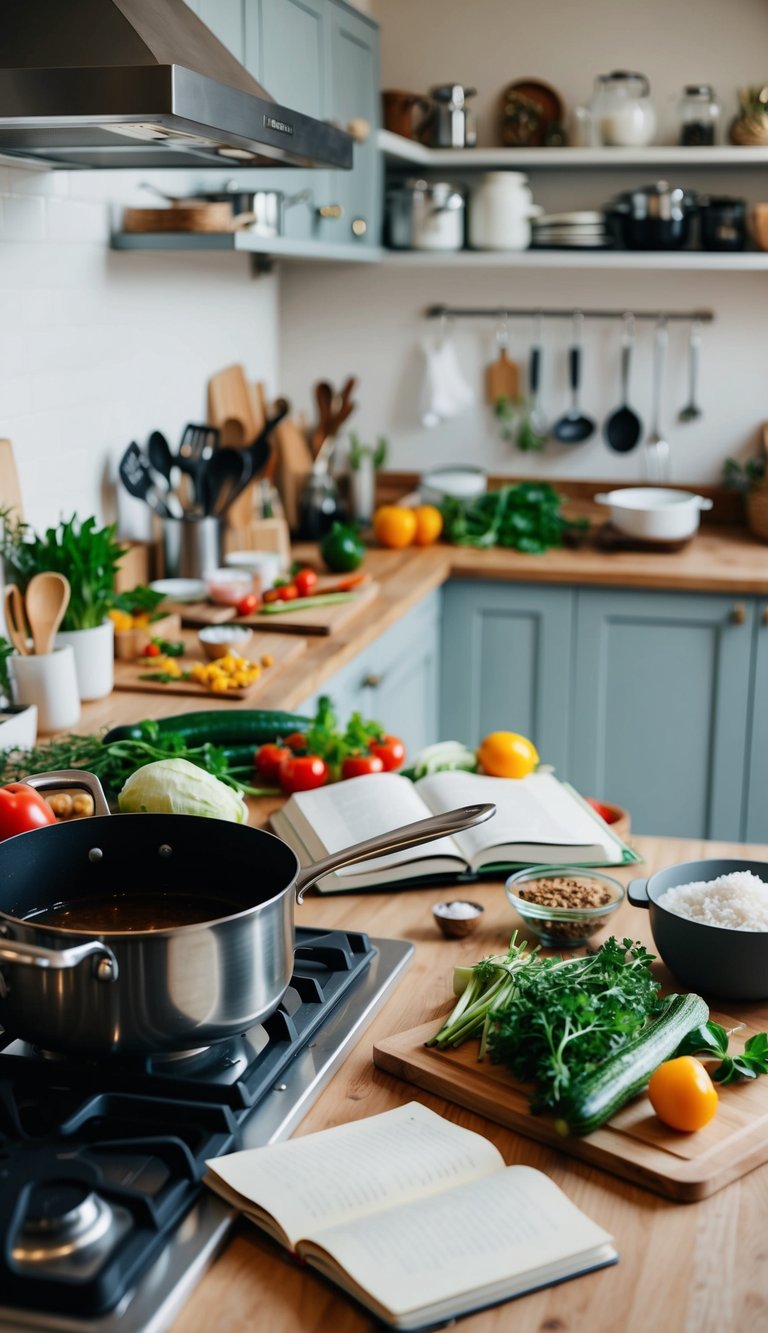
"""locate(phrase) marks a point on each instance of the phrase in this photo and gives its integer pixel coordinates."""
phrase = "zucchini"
(247, 726)
(596, 1098)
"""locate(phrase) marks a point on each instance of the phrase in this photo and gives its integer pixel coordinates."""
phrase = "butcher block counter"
(721, 559)
(684, 1268)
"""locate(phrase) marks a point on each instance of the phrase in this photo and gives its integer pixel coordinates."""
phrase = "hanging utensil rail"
(537, 312)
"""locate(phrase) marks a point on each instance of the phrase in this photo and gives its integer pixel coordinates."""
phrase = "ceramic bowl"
(218, 640)
(562, 927)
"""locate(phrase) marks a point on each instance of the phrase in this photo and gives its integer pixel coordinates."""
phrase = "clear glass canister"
(699, 116)
(622, 110)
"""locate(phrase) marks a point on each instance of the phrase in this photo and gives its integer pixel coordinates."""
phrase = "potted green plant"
(751, 478)
(88, 556)
(364, 462)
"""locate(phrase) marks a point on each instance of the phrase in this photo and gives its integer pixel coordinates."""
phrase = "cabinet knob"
(330, 211)
(738, 613)
(359, 226)
(359, 128)
(372, 682)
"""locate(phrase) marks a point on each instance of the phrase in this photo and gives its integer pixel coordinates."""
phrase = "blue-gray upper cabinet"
(225, 19)
(507, 664)
(661, 705)
(756, 823)
(354, 97)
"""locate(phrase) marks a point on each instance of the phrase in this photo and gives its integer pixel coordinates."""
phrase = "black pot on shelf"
(656, 217)
(723, 224)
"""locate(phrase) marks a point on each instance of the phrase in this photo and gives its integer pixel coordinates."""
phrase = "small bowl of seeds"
(563, 905)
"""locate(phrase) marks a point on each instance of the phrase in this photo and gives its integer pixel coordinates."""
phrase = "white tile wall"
(99, 347)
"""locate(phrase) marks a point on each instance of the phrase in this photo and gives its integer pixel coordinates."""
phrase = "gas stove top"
(104, 1225)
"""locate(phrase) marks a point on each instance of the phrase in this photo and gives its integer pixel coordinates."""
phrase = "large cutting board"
(314, 620)
(635, 1145)
(283, 649)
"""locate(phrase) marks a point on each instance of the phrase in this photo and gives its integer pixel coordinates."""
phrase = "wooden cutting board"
(317, 620)
(502, 379)
(282, 648)
(635, 1146)
(198, 614)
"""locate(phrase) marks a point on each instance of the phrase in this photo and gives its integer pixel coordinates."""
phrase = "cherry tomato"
(302, 772)
(22, 809)
(273, 595)
(289, 593)
(390, 751)
(305, 582)
(248, 604)
(296, 741)
(682, 1094)
(152, 650)
(268, 759)
(359, 765)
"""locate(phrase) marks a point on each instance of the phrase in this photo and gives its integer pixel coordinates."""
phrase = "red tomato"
(151, 650)
(302, 772)
(268, 759)
(22, 809)
(296, 741)
(390, 751)
(247, 604)
(273, 595)
(358, 765)
(306, 582)
(288, 593)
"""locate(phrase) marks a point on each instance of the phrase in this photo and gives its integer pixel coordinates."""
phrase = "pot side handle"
(409, 835)
(72, 777)
(637, 893)
(33, 955)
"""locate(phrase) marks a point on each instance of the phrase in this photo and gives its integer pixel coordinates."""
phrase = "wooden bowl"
(456, 927)
(219, 640)
(760, 226)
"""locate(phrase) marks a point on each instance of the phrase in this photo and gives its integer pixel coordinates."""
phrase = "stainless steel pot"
(118, 992)
(261, 211)
(657, 217)
(425, 215)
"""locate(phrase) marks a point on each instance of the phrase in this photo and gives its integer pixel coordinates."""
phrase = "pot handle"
(602, 499)
(72, 777)
(704, 502)
(33, 955)
(408, 835)
(637, 892)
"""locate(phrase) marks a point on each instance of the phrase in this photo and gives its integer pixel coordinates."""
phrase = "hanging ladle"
(574, 427)
(46, 602)
(624, 427)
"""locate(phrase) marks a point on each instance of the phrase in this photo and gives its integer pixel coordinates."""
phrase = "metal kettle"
(449, 123)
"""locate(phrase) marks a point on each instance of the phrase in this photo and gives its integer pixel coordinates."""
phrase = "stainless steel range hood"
(141, 83)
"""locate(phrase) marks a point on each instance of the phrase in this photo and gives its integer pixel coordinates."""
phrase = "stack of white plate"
(583, 231)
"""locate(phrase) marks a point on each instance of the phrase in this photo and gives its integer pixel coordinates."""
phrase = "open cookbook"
(538, 820)
(414, 1217)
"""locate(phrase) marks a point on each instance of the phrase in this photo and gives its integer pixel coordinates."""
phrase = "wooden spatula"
(46, 602)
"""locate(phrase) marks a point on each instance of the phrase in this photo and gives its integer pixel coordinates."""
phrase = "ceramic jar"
(94, 653)
(622, 111)
(500, 214)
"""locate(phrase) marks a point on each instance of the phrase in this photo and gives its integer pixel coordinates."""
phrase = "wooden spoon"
(47, 600)
(15, 619)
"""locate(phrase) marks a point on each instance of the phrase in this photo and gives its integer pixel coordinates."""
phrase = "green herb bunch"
(526, 517)
(358, 451)
(712, 1039)
(6, 651)
(86, 554)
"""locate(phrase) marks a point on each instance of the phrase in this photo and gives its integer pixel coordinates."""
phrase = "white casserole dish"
(654, 513)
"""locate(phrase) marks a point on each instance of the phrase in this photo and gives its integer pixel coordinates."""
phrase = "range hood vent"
(141, 83)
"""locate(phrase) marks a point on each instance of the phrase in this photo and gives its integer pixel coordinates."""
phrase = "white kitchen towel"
(445, 391)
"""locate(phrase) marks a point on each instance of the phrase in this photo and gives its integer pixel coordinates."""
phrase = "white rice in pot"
(738, 901)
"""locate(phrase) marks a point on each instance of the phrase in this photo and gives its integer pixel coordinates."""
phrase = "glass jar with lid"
(622, 111)
(699, 116)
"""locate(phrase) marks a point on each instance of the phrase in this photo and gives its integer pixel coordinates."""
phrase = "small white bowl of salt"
(457, 918)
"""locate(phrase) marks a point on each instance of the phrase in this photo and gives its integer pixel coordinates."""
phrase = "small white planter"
(18, 726)
(94, 651)
(49, 681)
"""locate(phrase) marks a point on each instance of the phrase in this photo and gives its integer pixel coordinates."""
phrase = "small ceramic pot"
(94, 651)
(49, 681)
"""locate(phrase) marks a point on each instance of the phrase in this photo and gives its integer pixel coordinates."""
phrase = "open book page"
(531, 812)
(509, 1232)
(340, 1175)
(334, 817)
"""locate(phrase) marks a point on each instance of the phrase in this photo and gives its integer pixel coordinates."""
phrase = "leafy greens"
(526, 517)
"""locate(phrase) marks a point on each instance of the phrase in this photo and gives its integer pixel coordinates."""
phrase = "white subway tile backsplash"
(74, 220)
(23, 218)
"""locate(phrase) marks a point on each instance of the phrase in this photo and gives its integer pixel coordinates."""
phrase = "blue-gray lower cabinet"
(756, 823)
(396, 679)
(507, 664)
(661, 708)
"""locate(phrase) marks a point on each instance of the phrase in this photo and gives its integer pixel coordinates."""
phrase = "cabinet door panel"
(354, 95)
(506, 665)
(225, 20)
(660, 709)
(756, 821)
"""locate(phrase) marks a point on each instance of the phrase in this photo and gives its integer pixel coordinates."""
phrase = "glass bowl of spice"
(563, 905)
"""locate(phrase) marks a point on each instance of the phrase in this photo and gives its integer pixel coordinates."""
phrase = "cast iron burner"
(101, 1161)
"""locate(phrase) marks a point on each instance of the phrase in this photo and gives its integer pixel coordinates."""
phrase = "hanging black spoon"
(574, 427)
(623, 428)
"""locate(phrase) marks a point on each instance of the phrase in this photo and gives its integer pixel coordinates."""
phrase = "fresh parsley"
(713, 1040)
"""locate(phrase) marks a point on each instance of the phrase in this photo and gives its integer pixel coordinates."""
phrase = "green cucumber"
(596, 1098)
(306, 603)
(247, 726)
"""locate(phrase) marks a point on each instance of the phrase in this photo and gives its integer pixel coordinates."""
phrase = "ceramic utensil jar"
(500, 210)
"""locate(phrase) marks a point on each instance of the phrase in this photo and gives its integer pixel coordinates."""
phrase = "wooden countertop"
(683, 1266)
(721, 559)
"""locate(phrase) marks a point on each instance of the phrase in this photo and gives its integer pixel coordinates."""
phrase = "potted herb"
(364, 462)
(88, 556)
(751, 478)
